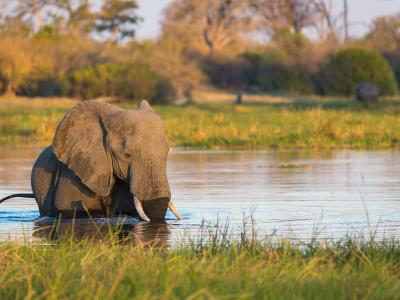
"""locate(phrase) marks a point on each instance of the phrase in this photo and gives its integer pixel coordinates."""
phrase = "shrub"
(283, 79)
(40, 84)
(274, 74)
(130, 81)
(230, 72)
(348, 67)
(15, 61)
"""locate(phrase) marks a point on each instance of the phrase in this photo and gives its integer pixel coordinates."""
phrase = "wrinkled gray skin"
(100, 157)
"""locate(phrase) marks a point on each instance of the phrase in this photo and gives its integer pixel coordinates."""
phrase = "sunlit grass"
(217, 267)
(305, 123)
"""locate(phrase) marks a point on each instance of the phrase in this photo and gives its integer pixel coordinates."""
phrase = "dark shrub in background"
(272, 74)
(40, 84)
(348, 67)
(136, 81)
(268, 71)
(277, 78)
(232, 73)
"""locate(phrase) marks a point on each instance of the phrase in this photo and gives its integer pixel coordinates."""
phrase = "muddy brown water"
(301, 194)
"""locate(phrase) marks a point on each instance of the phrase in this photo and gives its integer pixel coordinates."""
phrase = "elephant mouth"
(155, 209)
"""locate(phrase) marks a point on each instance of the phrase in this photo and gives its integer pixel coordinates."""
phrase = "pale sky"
(361, 12)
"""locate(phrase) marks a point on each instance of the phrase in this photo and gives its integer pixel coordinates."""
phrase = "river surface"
(297, 194)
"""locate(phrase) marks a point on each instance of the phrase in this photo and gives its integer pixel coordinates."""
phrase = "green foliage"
(349, 67)
(222, 268)
(273, 74)
(40, 84)
(230, 72)
(283, 79)
(136, 81)
(117, 19)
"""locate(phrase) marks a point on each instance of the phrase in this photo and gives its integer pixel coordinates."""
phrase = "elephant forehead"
(146, 117)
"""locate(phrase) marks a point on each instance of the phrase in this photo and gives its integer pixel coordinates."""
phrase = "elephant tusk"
(139, 209)
(172, 207)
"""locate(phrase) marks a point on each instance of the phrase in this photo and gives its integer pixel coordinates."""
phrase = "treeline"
(72, 48)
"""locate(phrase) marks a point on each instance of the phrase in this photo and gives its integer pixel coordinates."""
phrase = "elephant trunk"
(150, 187)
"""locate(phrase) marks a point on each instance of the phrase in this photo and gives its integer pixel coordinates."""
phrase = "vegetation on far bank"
(220, 269)
(314, 123)
(74, 48)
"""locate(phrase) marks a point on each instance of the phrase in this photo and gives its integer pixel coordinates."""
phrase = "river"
(297, 194)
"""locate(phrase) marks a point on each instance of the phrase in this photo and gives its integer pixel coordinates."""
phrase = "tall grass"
(305, 123)
(214, 267)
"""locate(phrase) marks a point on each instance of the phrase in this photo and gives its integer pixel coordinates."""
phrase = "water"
(288, 193)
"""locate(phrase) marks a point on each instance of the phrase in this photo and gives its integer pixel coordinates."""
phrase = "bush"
(348, 67)
(230, 72)
(40, 84)
(130, 81)
(274, 74)
(282, 79)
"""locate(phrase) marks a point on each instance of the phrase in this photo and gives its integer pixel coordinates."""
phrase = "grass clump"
(306, 123)
(220, 267)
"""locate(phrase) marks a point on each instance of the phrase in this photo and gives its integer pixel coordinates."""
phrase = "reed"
(213, 266)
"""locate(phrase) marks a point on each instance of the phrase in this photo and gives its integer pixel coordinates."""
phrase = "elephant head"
(99, 142)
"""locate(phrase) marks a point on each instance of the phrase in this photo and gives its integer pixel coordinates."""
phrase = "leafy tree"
(117, 19)
(384, 35)
(171, 59)
(349, 67)
(78, 17)
(130, 81)
(15, 62)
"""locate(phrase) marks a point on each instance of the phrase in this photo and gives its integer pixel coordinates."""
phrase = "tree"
(211, 25)
(31, 12)
(173, 61)
(78, 18)
(277, 15)
(326, 23)
(349, 67)
(224, 20)
(384, 37)
(73, 16)
(15, 62)
(117, 20)
(384, 34)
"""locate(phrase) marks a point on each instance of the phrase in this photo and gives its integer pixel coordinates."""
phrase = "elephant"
(104, 161)
(367, 92)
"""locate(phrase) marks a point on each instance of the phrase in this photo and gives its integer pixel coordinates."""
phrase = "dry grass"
(222, 97)
(314, 123)
(7, 102)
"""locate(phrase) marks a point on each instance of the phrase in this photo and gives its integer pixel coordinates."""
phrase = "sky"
(361, 12)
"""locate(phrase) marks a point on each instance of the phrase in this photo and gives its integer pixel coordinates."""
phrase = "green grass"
(306, 123)
(221, 269)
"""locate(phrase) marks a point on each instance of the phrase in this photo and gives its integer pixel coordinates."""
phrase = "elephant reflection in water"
(146, 234)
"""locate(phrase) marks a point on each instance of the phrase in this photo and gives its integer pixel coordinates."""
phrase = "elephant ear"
(145, 105)
(79, 142)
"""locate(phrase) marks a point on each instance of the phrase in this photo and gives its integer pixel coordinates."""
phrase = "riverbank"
(308, 123)
(223, 269)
